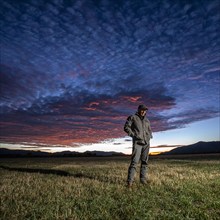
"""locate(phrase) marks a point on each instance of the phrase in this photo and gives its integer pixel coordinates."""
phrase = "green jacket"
(138, 128)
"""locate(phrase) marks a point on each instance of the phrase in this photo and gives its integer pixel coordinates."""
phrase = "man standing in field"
(138, 127)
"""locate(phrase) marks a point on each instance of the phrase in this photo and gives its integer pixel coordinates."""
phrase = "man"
(138, 127)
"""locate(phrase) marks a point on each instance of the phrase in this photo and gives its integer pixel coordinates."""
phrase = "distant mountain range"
(27, 153)
(198, 148)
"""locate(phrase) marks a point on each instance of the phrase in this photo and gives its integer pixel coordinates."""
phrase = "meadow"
(95, 188)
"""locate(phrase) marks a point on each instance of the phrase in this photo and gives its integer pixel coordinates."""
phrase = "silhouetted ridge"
(28, 153)
(197, 148)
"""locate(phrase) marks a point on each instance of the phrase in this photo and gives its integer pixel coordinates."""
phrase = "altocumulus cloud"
(72, 71)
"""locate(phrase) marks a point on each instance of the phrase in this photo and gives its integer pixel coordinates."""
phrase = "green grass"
(95, 188)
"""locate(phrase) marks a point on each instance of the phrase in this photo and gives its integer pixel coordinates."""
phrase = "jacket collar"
(141, 117)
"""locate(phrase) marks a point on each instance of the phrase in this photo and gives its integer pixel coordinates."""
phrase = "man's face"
(142, 112)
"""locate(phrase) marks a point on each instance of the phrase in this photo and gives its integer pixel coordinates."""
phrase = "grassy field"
(95, 188)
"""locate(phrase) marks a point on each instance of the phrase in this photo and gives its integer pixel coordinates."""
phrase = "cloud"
(81, 117)
(71, 72)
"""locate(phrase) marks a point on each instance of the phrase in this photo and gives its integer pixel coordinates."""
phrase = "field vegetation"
(95, 188)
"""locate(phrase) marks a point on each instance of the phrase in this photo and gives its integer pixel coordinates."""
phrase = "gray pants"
(139, 152)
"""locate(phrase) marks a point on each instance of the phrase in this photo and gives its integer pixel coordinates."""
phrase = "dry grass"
(94, 188)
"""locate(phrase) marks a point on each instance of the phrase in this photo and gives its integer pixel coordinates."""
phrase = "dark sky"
(72, 71)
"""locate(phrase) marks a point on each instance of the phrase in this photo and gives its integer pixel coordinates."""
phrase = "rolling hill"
(197, 148)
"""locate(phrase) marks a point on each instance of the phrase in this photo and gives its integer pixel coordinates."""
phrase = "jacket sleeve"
(127, 127)
(150, 131)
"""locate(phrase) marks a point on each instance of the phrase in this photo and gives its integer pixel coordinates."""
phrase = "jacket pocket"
(137, 137)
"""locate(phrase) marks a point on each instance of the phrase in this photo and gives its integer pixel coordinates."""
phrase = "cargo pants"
(139, 152)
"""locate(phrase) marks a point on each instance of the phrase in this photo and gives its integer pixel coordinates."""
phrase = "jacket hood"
(141, 117)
